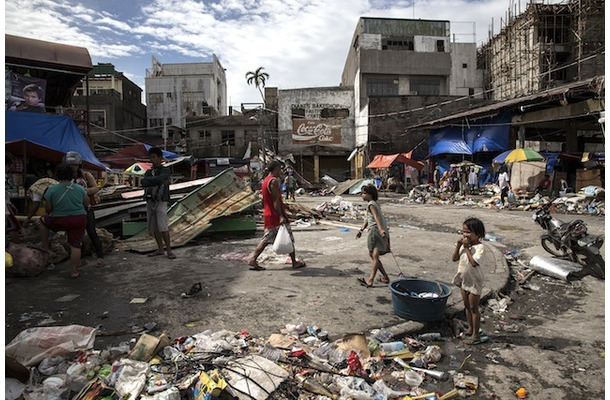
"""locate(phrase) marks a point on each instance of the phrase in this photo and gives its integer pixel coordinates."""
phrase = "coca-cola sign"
(327, 131)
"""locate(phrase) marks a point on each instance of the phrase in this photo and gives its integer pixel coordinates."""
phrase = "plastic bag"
(283, 243)
(33, 345)
(511, 196)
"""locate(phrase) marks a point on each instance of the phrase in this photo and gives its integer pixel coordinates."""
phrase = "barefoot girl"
(469, 252)
(378, 239)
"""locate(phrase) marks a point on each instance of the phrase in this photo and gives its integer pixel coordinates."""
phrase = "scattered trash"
(521, 393)
(196, 288)
(67, 298)
(138, 300)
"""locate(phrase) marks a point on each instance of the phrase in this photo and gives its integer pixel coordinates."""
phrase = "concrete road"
(325, 293)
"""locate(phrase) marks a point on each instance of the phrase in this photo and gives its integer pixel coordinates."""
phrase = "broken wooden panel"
(225, 194)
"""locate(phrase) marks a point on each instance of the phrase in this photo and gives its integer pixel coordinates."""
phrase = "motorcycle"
(570, 240)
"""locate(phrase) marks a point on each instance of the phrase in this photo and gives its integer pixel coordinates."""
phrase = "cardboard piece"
(148, 346)
(357, 342)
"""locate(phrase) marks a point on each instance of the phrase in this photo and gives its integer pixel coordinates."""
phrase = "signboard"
(26, 93)
(327, 131)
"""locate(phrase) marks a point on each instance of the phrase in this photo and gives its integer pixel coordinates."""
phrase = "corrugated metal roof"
(225, 194)
(493, 109)
(37, 53)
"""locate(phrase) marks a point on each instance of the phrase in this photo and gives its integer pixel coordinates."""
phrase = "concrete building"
(403, 58)
(546, 46)
(224, 136)
(114, 102)
(316, 126)
(175, 92)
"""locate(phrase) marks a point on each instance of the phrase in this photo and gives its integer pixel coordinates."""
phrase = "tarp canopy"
(131, 154)
(488, 134)
(46, 137)
(384, 161)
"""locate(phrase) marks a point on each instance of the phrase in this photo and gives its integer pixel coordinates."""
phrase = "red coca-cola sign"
(327, 131)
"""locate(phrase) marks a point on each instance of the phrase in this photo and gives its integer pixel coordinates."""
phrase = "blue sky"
(300, 43)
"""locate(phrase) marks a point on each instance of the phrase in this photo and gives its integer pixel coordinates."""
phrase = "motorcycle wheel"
(549, 245)
(594, 262)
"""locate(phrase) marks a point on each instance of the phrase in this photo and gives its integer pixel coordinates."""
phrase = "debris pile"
(299, 362)
(589, 202)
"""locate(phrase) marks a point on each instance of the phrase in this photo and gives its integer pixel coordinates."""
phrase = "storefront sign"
(327, 131)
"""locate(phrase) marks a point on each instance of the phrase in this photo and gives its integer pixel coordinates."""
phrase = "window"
(464, 65)
(334, 113)
(381, 87)
(397, 43)
(98, 118)
(168, 121)
(228, 138)
(440, 46)
(298, 113)
(425, 86)
(205, 137)
(168, 95)
(154, 98)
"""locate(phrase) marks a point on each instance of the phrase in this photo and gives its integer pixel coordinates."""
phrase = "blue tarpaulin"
(489, 134)
(47, 137)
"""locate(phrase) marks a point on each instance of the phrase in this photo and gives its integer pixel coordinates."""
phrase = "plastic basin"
(416, 308)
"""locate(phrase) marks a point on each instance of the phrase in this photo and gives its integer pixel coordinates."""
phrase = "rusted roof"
(37, 53)
(492, 109)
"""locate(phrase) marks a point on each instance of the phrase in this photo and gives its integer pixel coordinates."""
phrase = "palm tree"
(258, 78)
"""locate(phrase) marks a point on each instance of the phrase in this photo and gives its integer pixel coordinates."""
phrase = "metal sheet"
(223, 195)
(554, 267)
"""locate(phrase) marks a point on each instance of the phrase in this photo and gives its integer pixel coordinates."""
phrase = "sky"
(299, 43)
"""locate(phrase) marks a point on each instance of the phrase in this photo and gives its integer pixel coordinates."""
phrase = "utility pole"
(261, 131)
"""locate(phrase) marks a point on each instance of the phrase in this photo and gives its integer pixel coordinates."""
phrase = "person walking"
(504, 183)
(87, 181)
(274, 216)
(156, 194)
(472, 180)
(290, 183)
(378, 239)
(66, 206)
(469, 252)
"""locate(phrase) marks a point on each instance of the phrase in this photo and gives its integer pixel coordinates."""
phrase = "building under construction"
(546, 46)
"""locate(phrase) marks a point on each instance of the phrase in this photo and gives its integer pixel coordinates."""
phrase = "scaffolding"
(545, 46)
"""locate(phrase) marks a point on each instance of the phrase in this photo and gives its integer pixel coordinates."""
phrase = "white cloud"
(300, 43)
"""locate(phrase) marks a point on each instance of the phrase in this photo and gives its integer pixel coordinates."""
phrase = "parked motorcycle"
(570, 240)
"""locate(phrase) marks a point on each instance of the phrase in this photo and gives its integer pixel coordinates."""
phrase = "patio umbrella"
(523, 155)
(499, 159)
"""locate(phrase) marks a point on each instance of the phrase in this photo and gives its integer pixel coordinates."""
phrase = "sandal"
(171, 256)
(257, 268)
(74, 275)
(299, 264)
(155, 254)
(480, 340)
(381, 279)
(363, 282)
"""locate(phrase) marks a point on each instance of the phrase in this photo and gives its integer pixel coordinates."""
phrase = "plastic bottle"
(392, 347)
(429, 336)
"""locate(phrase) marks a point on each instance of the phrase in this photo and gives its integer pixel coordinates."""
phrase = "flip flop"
(299, 264)
(257, 268)
(74, 275)
(171, 256)
(155, 254)
(480, 340)
(381, 280)
(464, 335)
(363, 282)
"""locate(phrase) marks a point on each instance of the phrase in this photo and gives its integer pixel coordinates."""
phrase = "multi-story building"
(175, 92)
(404, 65)
(546, 46)
(114, 104)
